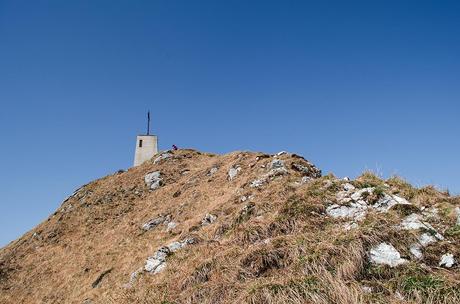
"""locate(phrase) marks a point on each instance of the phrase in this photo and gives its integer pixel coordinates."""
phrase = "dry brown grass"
(278, 247)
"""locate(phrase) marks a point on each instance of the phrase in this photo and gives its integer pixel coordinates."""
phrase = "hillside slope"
(191, 227)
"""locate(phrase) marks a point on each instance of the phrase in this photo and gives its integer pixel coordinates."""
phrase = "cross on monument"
(148, 122)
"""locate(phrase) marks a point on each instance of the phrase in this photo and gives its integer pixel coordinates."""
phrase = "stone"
(208, 219)
(152, 263)
(389, 201)
(355, 210)
(301, 168)
(367, 289)
(350, 225)
(348, 187)
(162, 219)
(157, 262)
(358, 195)
(281, 153)
(414, 222)
(277, 172)
(257, 183)
(415, 249)
(154, 180)
(233, 172)
(213, 171)
(386, 254)
(135, 275)
(171, 226)
(276, 164)
(305, 179)
(162, 157)
(457, 211)
(447, 260)
(174, 246)
(424, 240)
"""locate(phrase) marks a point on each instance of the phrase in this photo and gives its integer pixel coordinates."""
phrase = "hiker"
(174, 147)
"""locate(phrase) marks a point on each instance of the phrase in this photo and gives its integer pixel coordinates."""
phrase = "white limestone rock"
(233, 172)
(162, 156)
(153, 262)
(171, 226)
(386, 254)
(258, 183)
(157, 262)
(447, 260)
(305, 179)
(389, 201)
(414, 222)
(154, 180)
(359, 195)
(174, 246)
(213, 171)
(355, 210)
(416, 250)
(348, 187)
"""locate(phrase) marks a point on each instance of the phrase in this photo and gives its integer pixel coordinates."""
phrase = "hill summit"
(192, 227)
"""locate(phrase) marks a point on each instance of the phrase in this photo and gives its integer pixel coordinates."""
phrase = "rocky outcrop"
(153, 180)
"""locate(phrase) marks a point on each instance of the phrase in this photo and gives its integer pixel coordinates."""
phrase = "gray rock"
(424, 240)
(171, 226)
(414, 222)
(213, 171)
(355, 210)
(447, 260)
(162, 156)
(208, 219)
(162, 219)
(301, 168)
(258, 183)
(348, 187)
(276, 164)
(385, 254)
(154, 180)
(233, 172)
(389, 201)
(358, 195)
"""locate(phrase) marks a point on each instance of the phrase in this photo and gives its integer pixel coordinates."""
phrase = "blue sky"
(351, 85)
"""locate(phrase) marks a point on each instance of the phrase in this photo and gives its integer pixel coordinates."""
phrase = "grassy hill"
(191, 227)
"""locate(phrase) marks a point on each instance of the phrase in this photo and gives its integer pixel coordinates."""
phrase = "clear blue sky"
(351, 85)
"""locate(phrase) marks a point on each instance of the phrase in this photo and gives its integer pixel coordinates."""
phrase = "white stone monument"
(146, 146)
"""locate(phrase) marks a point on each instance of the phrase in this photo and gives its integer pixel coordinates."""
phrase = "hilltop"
(192, 227)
